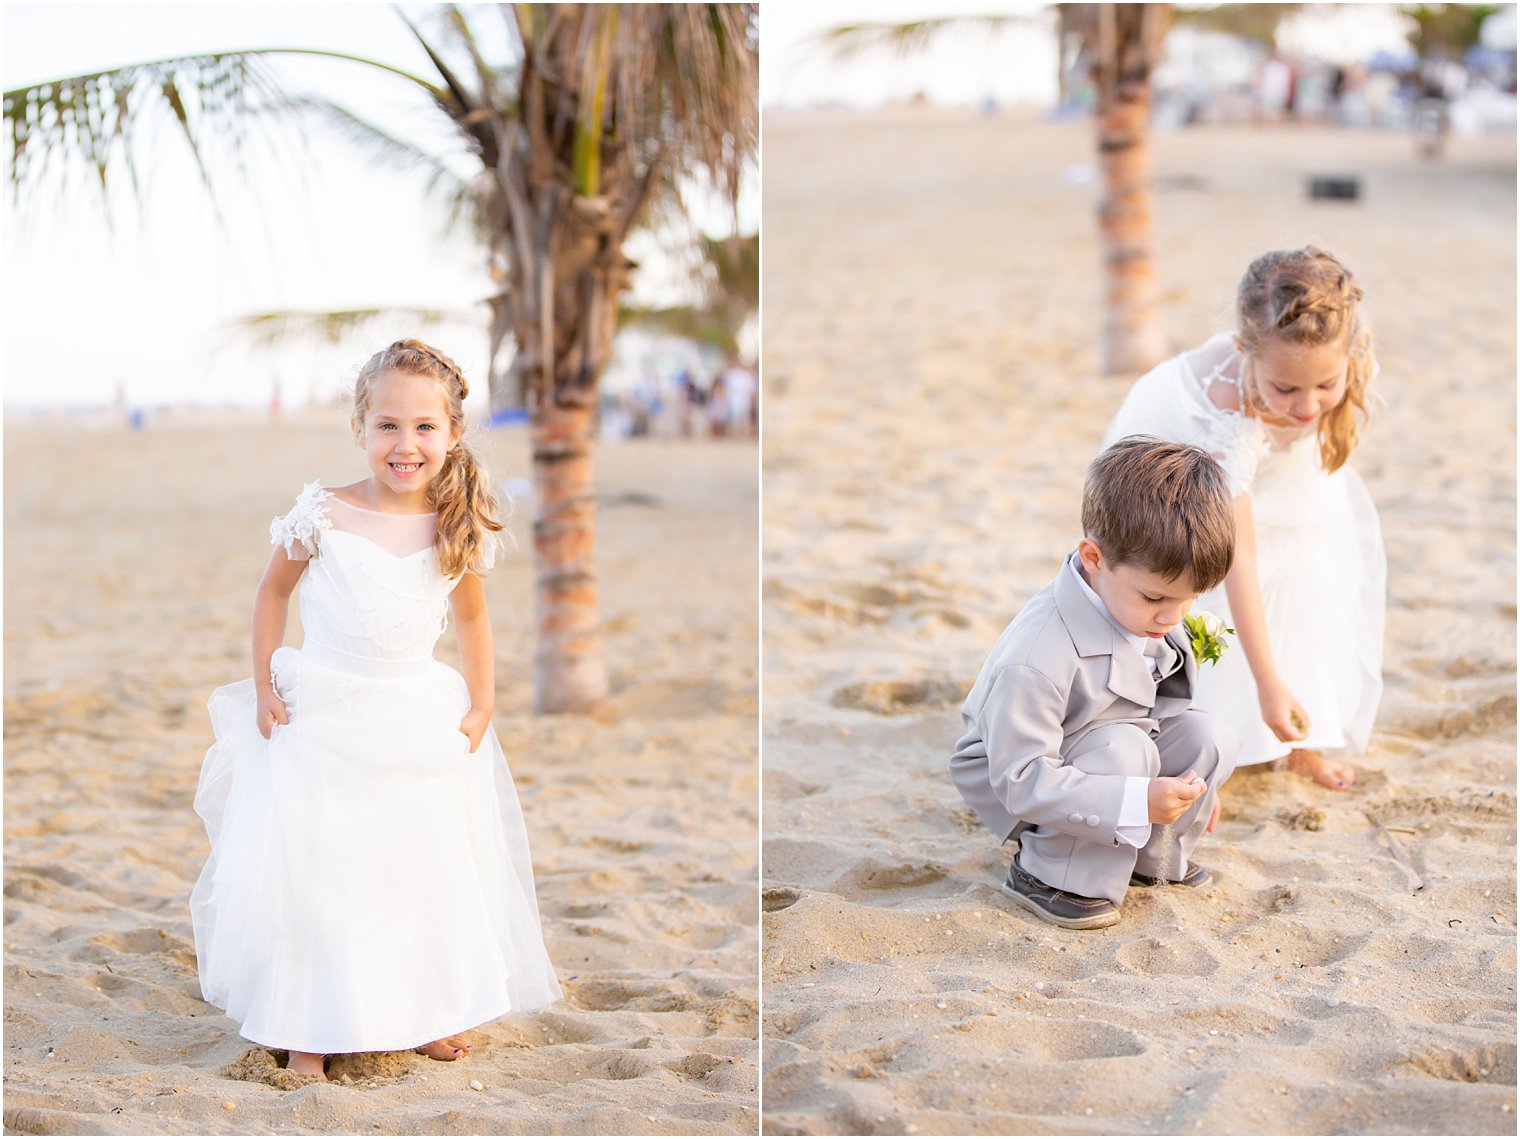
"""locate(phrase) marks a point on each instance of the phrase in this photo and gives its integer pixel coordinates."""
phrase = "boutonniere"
(1206, 632)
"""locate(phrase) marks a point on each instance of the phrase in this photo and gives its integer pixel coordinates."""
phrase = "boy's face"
(1143, 602)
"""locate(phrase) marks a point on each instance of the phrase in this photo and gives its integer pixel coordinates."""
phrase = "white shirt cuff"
(1134, 812)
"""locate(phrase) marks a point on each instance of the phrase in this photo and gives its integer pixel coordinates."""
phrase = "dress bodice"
(1172, 401)
(373, 588)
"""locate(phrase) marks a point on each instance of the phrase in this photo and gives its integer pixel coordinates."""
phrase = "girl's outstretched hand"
(1282, 712)
(474, 726)
(271, 712)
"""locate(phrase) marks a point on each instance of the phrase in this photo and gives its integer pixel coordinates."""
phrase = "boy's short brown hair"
(1165, 507)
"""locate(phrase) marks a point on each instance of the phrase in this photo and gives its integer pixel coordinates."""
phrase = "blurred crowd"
(686, 403)
(1213, 78)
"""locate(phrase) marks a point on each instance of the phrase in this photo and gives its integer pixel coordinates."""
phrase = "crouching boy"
(1080, 736)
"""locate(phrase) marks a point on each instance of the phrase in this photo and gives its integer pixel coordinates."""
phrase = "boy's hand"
(474, 726)
(1213, 817)
(1169, 797)
(271, 711)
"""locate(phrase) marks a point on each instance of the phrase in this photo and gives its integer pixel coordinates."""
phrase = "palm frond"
(1257, 22)
(271, 329)
(691, 322)
(847, 40)
(734, 264)
(379, 143)
(91, 118)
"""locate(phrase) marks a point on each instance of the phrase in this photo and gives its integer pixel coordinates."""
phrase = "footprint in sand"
(901, 697)
(782, 786)
(1079, 1041)
(696, 1065)
(641, 996)
(1491, 1063)
(873, 874)
(1159, 957)
(1445, 722)
(774, 898)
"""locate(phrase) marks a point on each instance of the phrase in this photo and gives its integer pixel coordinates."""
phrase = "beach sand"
(932, 395)
(131, 561)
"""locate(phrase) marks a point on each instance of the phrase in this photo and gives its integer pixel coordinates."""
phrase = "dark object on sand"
(1335, 188)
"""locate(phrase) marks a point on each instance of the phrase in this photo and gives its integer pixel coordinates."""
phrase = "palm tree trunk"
(564, 342)
(1133, 337)
(570, 673)
(1124, 43)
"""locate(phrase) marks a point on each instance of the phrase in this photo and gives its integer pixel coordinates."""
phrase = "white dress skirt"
(1319, 551)
(369, 886)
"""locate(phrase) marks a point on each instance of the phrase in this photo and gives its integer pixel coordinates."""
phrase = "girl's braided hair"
(1307, 297)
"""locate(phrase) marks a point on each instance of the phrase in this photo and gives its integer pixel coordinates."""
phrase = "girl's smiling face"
(1295, 384)
(406, 436)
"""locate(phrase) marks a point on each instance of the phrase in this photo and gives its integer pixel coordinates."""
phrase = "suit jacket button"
(1076, 818)
(1093, 820)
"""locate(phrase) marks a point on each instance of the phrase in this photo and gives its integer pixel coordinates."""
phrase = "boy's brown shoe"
(1195, 877)
(1069, 911)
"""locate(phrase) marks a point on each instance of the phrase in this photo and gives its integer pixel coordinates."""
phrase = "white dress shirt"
(1134, 825)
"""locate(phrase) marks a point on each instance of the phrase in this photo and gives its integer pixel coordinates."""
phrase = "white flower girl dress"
(369, 886)
(1319, 554)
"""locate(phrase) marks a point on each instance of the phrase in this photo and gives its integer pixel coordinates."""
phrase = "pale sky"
(86, 309)
(1017, 64)
(1014, 65)
(144, 306)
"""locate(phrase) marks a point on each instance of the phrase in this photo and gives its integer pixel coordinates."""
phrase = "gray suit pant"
(1189, 741)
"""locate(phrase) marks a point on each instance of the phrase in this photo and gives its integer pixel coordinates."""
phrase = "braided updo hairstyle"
(461, 492)
(1307, 297)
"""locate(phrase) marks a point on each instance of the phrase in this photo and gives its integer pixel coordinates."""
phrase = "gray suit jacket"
(1059, 669)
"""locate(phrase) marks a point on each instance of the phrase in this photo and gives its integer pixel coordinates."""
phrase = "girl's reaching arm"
(473, 622)
(1281, 711)
(271, 608)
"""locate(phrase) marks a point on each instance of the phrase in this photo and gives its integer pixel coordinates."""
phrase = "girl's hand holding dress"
(271, 711)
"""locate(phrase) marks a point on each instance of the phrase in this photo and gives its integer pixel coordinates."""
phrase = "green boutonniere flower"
(1206, 632)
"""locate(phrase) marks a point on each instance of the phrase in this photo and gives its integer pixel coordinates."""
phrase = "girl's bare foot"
(306, 1064)
(1325, 772)
(449, 1048)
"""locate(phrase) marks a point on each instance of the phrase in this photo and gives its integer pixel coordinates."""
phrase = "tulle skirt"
(1323, 575)
(369, 886)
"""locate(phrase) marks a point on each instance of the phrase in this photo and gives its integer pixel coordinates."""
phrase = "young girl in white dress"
(369, 886)
(1280, 403)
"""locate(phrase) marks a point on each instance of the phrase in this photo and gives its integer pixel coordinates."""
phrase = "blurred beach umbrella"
(1122, 46)
(1397, 61)
(602, 113)
(1498, 30)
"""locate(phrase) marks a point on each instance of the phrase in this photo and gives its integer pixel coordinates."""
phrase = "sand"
(931, 398)
(130, 566)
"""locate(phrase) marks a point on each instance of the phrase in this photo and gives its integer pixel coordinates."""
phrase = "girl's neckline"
(387, 513)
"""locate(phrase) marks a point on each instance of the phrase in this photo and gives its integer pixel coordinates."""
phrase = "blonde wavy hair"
(461, 491)
(1307, 297)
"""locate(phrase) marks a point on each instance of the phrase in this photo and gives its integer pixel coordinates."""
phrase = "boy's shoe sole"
(1195, 877)
(1069, 911)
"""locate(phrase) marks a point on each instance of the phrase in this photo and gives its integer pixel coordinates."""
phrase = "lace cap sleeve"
(491, 551)
(1238, 442)
(301, 529)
